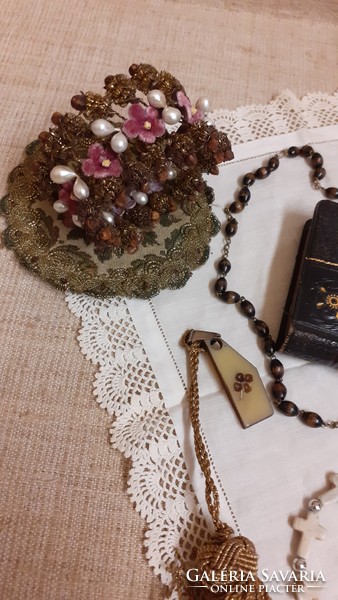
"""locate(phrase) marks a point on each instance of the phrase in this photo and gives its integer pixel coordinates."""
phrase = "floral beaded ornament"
(111, 200)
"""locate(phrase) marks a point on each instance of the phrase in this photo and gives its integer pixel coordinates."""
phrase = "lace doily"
(125, 384)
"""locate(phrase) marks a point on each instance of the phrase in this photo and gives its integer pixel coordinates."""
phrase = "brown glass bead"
(277, 368)
(261, 328)
(262, 173)
(319, 173)
(293, 151)
(248, 378)
(240, 377)
(249, 179)
(224, 265)
(311, 419)
(331, 193)
(306, 151)
(231, 297)
(79, 102)
(43, 137)
(279, 390)
(220, 285)
(290, 409)
(316, 160)
(237, 206)
(273, 163)
(56, 118)
(247, 388)
(231, 227)
(237, 387)
(269, 346)
(244, 195)
(248, 309)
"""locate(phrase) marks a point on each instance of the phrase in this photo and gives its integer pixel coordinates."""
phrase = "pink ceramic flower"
(101, 163)
(143, 123)
(192, 113)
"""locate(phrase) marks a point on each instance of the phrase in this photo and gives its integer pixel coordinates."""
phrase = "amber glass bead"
(311, 419)
(306, 151)
(249, 179)
(331, 193)
(279, 390)
(231, 297)
(224, 265)
(261, 328)
(240, 377)
(56, 118)
(273, 163)
(248, 309)
(220, 285)
(79, 102)
(244, 195)
(277, 368)
(319, 173)
(231, 227)
(269, 346)
(237, 206)
(262, 173)
(290, 409)
(293, 151)
(316, 160)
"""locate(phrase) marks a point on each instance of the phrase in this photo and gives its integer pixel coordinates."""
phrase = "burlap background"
(67, 528)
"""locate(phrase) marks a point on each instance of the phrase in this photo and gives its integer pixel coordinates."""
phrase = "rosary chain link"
(279, 390)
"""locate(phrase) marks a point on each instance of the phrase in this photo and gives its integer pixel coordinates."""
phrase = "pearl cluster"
(61, 174)
(170, 114)
(102, 128)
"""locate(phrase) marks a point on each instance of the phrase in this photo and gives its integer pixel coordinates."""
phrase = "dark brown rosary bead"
(273, 163)
(279, 390)
(244, 195)
(261, 328)
(220, 285)
(231, 297)
(331, 193)
(249, 179)
(290, 409)
(277, 368)
(262, 173)
(311, 419)
(316, 160)
(306, 151)
(224, 266)
(269, 346)
(236, 207)
(319, 173)
(248, 309)
(231, 227)
(293, 151)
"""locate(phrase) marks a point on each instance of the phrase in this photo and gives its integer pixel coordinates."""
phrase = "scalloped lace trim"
(125, 384)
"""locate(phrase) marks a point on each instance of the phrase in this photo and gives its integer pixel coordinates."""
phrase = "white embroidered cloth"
(264, 474)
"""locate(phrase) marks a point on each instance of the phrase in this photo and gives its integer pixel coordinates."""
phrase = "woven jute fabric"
(67, 528)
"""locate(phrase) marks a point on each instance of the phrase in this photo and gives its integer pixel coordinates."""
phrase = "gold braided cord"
(223, 552)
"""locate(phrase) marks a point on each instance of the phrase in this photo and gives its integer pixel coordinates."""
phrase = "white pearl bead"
(80, 189)
(171, 173)
(76, 221)
(171, 115)
(119, 143)
(61, 174)
(156, 98)
(203, 104)
(60, 207)
(102, 128)
(108, 217)
(140, 197)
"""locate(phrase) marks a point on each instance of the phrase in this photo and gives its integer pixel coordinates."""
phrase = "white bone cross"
(310, 530)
